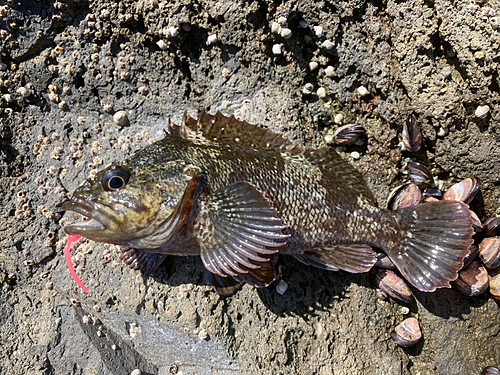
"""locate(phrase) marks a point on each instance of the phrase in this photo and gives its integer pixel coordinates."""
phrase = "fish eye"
(115, 179)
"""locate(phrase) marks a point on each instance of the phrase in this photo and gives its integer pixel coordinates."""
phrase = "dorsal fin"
(231, 130)
(331, 163)
(176, 130)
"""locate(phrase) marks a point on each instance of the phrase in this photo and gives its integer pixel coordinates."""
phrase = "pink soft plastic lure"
(67, 256)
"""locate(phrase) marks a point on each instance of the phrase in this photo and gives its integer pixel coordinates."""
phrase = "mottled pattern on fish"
(235, 194)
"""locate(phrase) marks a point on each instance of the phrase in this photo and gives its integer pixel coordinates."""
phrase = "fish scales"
(236, 194)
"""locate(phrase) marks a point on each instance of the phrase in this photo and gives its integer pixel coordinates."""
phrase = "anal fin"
(224, 286)
(354, 258)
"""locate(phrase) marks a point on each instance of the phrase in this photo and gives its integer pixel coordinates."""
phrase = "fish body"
(236, 194)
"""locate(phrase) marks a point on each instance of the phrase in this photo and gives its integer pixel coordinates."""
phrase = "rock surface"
(83, 61)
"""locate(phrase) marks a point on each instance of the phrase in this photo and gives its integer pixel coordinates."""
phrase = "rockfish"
(237, 194)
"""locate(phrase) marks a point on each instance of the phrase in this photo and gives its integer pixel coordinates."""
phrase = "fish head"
(127, 203)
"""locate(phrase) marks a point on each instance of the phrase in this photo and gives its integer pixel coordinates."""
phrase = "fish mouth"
(98, 222)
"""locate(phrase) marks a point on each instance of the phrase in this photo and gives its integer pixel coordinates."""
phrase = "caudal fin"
(432, 242)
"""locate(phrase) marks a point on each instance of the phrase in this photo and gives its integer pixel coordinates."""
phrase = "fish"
(239, 195)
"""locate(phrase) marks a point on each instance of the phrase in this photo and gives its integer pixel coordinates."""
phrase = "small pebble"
(282, 287)
(329, 138)
(303, 24)
(482, 111)
(62, 105)
(328, 44)
(313, 65)
(307, 39)
(3, 66)
(308, 88)
(318, 30)
(339, 117)
(212, 39)
(321, 92)
(277, 49)
(173, 31)
(355, 155)
(8, 98)
(136, 372)
(443, 131)
(120, 118)
(405, 310)
(24, 92)
(286, 33)
(446, 72)
(329, 71)
(275, 27)
(479, 55)
(202, 334)
(162, 45)
(282, 21)
(363, 91)
(494, 23)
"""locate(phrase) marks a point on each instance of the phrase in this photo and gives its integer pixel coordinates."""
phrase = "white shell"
(212, 39)
(363, 91)
(482, 111)
(120, 118)
(318, 30)
(161, 44)
(286, 33)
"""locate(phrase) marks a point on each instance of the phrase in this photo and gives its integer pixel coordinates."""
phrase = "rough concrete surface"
(68, 66)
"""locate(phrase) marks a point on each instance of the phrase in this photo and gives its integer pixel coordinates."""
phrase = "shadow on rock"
(447, 303)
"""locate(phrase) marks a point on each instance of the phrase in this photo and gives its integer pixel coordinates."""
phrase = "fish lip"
(98, 220)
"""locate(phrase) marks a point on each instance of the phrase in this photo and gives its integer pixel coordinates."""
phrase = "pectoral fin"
(354, 258)
(239, 230)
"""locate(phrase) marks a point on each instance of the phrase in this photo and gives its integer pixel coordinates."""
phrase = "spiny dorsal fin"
(176, 130)
(331, 163)
(231, 130)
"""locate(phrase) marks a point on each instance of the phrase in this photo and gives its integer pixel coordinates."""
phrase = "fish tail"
(432, 240)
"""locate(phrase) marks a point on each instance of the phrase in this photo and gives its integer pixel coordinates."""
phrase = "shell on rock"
(420, 175)
(433, 192)
(476, 223)
(494, 280)
(490, 370)
(492, 226)
(471, 256)
(383, 261)
(120, 118)
(407, 333)
(348, 134)
(473, 280)
(430, 199)
(464, 191)
(489, 252)
(412, 137)
(406, 195)
(390, 284)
